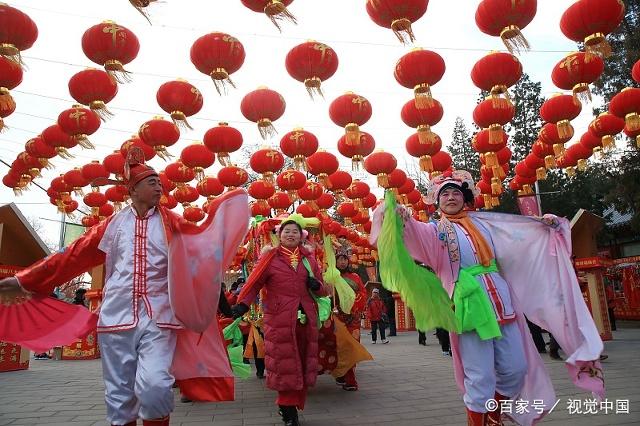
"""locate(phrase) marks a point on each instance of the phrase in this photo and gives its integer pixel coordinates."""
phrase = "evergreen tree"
(464, 157)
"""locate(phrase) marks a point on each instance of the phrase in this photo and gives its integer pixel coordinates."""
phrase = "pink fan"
(43, 322)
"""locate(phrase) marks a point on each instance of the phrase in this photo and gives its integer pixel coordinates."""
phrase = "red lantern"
(79, 123)
(322, 164)
(218, 55)
(357, 151)
(180, 99)
(357, 191)
(7, 107)
(198, 157)
(18, 32)
(398, 15)
(112, 46)
(10, 77)
(397, 178)
(423, 118)
(298, 145)
(186, 194)
(276, 10)
(606, 126)
(261, 190)
(75, 178)
(350, 111)
(90, 221)
(347, 210)
(167, 184)
(500, 172)
(580, 154)
(232, 176)
(310, 192)
(179, 173)
(549, 134)
(114, 163)
(380, 164)
(492, 114)
(116, 195)
(325, 201)
(633, 134)
(280, 201)
(576, 71)
(339, 181)
(263, 106)
(193, 214)
(56, 138)
(210, 187)
(506, 19)
(483, 144)
(496, 72)
(536, 163)
(546, 152)
(260, 208)
(290, 181)
(94, 88)
(222, 140)
(626, 104)
(560, 110)
(136, 142)
(39, 149)
(441, 162)
(95, 199)
(589, 22)
(29, 165)
(414, 196)
(93, 171)
(312, 63)
(419, 70)
(407, 187)
(60, 186)
(307, 210)
(635, 71)
(168, 201)
(267, 162)
(159, 134)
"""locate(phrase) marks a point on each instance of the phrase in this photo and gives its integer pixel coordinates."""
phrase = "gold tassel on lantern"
(224, 158)
(425, 135)
(116, 70)
(323, 179)
(402, 29)
(582, 164)
(140, 5)
(541, 173)
(495, 202)
(313, 87)
(527, 189)
(422, 96)
(570, 171)
(84, 141)
(487, 201)
(299, 162)
(496, 186)
(632, 121)
(426, 164)
(180, 120)
(513, 39)
(495, 134)
(161, 151)
(276, 11)
(356, 163)
(495, 93)
(101, 110)
(565, 129)
(550, 162)
(422, 215)
(581, 92)
(352, 134)
(558, 149)
(221, 78)
(638, 141)
(64, 153)
(434, 174)
(597, 44)
(608, 142)
(383, 180)
(498, 171)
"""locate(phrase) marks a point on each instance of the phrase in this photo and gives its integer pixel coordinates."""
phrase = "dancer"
(497, 268)
(290, 279)
(137, 325)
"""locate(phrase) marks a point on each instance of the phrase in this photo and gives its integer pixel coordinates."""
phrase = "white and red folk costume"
(520, 266)
(142, 342)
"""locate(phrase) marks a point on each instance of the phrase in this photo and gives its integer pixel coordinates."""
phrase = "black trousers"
(377, 325)
(443, 338)
(612, 319)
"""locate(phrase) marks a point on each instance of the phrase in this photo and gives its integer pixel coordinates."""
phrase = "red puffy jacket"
(375, 309)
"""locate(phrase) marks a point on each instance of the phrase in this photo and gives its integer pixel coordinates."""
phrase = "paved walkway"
(407, 384)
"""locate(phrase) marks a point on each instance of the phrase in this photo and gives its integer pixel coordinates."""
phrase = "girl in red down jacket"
(291, 346)
(375, 310)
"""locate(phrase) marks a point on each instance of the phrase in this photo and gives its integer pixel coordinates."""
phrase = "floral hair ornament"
(459, 178)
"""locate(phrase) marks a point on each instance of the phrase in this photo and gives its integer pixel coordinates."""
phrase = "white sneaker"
(385, 341)
(373, 342)
(445, 353)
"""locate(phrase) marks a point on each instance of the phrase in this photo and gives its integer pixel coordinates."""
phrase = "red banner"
(592, 262)
(86, 348)
(528, 205)
(12, 357)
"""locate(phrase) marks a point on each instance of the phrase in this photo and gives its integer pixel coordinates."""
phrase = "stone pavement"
(407, 384)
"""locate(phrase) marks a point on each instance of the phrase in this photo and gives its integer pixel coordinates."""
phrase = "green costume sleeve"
(232, 332)
(420, 288)
(332, 276)
(473, 308)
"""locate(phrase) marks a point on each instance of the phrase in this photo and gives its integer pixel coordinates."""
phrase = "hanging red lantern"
(483, 144)
(263, 106)
(136, 142)
(60, 186)
(347, 210)
(267, 162)
(500, 172)
(180, 99)
(506, 19)
(568, 164)
(159, 134)
(419, 70)
(186, 194)
(222, 140)
(356, 192)
(339, 181)
(380, 164)
(260, 208)
(198, 157)
(414, 197)
(7, 107)
(397, 178)
(95, 199)
(492, 114)
(94, 88)
(280, 201)
(276, 10)
(94, 170)
(29, 164)
(398, 15)
(261, 190)
(299, 144)
(325, 201)
(407, 187)
(90, 221)
(576, 71)
(232, 177)
(39, 149)
(580, 154)
(560, 109)
(210, 187)
(112, 46)
(167, 184)
(310, 192)
(114, 163)
(115, 195)
(307, 210)
(423, 118)
(350, 111)
(75, 178)
(549, 134)
(546, 152)
(290, 181)
(441, 162)
(79, 123)
(496, 72)
(635, 71)
(312, 63)
(589, 22)
(168, 201)
(536, 163)
(179, 173)
(633, 134)
(218, 55)
(56, 138)
(626, 104)
(10, 77)
(605, 127)
(322, 164)
(357, 151)
(18, 32)
(193, 214)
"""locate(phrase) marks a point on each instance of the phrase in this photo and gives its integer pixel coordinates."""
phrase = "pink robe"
(535, 260)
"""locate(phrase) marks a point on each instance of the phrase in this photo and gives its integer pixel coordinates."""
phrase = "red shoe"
(494, 418)
(133, 423)
(476, 419)
(156, 422)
